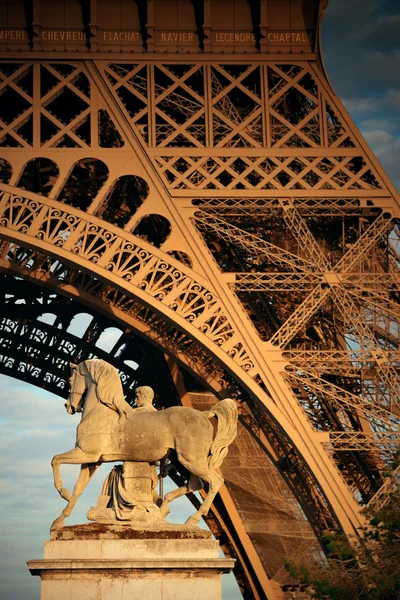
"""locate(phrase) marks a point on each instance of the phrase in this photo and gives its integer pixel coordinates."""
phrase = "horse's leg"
(86, 474)
(73, 457)
(193, 485)
(199, 469)
(192, 454)
(215, 481)
(181, 491)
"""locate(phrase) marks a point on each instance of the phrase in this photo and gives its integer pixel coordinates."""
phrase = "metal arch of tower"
(247, 157)
(38, 352)
(148, 277)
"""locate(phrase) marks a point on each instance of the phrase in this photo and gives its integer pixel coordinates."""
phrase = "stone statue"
(129, 491)
(111, 430)
(128, 495)
(144, 396)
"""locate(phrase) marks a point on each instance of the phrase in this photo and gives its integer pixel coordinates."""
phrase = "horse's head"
(78, 385)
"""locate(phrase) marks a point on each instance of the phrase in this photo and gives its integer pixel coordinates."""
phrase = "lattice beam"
(382, 496)
(301, 231)
(273, 282)
(352, 317)
(300, 317)
(378, 228)
(252, 243)
(383, 419)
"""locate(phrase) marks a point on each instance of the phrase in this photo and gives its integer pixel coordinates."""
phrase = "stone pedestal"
(99, 561)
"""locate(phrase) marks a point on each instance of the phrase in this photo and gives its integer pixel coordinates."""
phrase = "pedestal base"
(109, 562)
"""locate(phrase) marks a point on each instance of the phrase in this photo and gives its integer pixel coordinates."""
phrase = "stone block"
(115, 562)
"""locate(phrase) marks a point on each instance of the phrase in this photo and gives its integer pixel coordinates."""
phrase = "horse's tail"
(226, 412)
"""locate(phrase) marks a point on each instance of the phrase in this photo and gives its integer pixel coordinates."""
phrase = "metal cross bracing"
(228, 211)
(390, 484)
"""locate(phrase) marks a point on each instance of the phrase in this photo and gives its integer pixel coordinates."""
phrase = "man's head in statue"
(144, 396)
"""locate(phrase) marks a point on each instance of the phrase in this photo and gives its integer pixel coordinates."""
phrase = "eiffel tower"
(183, 172)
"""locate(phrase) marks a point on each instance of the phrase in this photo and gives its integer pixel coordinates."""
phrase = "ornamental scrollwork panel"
(162, 280)
(128, 260)
(195, 304)
(56, 227)
(19, 214)
(93, 242)
(172, 286)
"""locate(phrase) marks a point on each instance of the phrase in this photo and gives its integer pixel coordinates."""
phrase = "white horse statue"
(111, 430)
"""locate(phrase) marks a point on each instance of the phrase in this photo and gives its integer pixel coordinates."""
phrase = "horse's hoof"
(65, 494)
(57, 524)
(192, 521)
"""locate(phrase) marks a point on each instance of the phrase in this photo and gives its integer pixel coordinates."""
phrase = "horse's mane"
(109, 388)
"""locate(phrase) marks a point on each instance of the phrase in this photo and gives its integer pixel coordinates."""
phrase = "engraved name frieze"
(287, 37)
(273, 37)
(163, 37)
(226, 37)
(13, 34)
(62, 36)
(119, 36)
(176, 36)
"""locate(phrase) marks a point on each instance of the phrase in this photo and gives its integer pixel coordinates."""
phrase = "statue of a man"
(144, 396)
(121, 487)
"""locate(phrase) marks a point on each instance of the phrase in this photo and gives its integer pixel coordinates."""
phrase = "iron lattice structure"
(223, 212)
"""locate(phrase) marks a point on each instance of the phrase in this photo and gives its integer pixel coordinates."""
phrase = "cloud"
(31, 406)
(109, 338)
(393, 98)
(361, 105)
(26, 468)
(380, 69)
(379, 141)
(382, 33)
(377, 124)
(360, 45)
(386, 147)
(347, 12)
(35, 426)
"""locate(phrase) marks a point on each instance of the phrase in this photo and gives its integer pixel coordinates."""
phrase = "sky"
(361, 50)
(360, 41)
